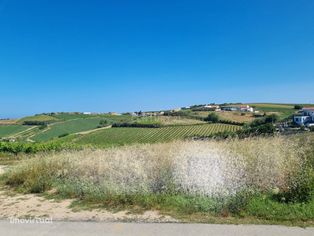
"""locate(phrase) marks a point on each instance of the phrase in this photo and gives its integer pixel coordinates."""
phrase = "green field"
(121, 136)
(67, 127)
(283, 110)
(8, 130)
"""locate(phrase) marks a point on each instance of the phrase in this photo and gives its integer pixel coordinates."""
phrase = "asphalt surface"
(138, 229)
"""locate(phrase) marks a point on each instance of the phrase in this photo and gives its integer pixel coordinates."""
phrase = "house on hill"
(241, 108)
(305, 117)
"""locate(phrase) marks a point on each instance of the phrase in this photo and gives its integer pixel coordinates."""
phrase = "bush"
(30, 122)
(16, 148)
(212, 117)
(273, 118)
(43, 126)
(63, 135)
(103, 123)
(237, 203)
(136, 125)
(300, 188)
(298, 107)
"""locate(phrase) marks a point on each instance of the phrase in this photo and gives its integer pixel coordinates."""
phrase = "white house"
(306, 117)
(242, 108)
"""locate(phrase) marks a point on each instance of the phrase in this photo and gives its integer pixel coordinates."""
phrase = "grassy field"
(8, 130)
(121, 136)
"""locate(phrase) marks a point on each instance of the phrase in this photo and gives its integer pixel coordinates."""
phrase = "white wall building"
(306, 117)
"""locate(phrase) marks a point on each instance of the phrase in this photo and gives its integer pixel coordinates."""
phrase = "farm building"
(305, 117)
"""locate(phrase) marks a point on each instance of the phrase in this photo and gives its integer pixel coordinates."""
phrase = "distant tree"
(212, 117)
(298, 107)
(271, 118)
(103, 123)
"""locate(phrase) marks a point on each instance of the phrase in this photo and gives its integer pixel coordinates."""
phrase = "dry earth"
(32, 205)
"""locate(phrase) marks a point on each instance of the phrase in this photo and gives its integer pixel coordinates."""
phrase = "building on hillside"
(305, 117)
(246, 108)
(87, 113)
(229, 108)
(114, 114)
(212, 107)
(241, 108)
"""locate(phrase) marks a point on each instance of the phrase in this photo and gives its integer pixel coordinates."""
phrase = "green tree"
(298, 107)
(212, 117)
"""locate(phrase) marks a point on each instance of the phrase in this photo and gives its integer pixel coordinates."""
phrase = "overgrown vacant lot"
(261, 179)
(120, 136)
(7, 130)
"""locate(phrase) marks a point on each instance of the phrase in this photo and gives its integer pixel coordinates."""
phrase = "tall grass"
(190, 175)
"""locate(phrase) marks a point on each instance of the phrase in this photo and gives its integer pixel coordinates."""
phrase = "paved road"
(138, 229)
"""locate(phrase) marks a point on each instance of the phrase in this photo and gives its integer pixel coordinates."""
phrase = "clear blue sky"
(72, 55)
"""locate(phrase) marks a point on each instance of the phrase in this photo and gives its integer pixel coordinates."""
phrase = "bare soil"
(32, 205)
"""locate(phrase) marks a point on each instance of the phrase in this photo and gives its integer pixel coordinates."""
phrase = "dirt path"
(32, 205)
(94, 130)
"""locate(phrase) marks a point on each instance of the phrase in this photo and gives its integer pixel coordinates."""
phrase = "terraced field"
(8, 130)
(121, 136)
(67, 127)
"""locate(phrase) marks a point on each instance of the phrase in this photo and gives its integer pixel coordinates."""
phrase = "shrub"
(212, 117)
(238, 203)
(136, 125)
(300, 188)
(103, 123)
(63, 135)
(298, 107)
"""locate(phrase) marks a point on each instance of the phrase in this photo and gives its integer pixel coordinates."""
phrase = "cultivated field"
(8, 130)
(120, 136)
(67, 127)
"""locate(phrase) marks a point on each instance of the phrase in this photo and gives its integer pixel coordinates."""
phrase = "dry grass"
(203, 168)
(7, 122)
(236, 116)
(227, 178)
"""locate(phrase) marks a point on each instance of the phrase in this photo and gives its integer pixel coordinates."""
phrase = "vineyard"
(8, 130)
(68, 127)
(121, 136)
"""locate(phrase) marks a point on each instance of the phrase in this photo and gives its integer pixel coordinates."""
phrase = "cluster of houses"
(214, 107)
(305, 117)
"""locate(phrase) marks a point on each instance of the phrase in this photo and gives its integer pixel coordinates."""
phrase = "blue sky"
(145, 55)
